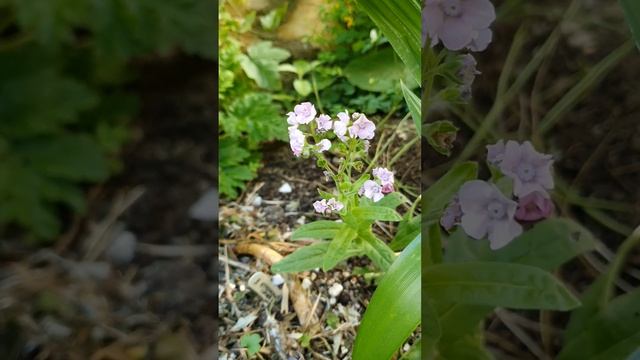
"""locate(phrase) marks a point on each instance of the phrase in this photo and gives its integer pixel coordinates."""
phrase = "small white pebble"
(314, 276)
(306, 283)
(335, 289)
(242, 287)
(277, 280)
(257, 201)
(332, 301)
(285, 188)
(406, 347)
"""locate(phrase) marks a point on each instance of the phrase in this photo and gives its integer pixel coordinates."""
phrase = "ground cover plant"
(350, 163)
(514, 236)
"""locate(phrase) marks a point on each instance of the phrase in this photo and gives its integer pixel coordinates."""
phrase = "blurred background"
(108, 201)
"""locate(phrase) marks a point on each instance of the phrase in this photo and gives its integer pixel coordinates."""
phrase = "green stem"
(617, 264)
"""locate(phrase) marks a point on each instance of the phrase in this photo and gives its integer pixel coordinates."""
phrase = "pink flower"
(305, 113)
(362, 128)
(529, 169)
(534, 206)
(487, 212)
(324, 123)
(340, 126)
(387, 188)
(321, 206)
(296, 140)
(292, 119)
(452, 215)
(384, 175)
(324, 145)
(458, 23)
(335, 205)
(371, 190)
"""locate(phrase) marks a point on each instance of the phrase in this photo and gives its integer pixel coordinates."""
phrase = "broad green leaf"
(408, 229)
(376, 213)
(590, 308)
(251, 342)
(547, 245)
(439, 194)
(469, 347)
(506, 285)
(400, 22)
(261, 64)
(303, 87)
(415, 106)
(391, 201)
(631, 10)
(377, 250)
(431, 327)
(308, 258)
(612, 334)
(378, 71)
(322, 229)
(338, 247)
(460, 319)
(394, 310)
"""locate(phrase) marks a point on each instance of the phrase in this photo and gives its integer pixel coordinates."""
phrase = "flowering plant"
(364, 193)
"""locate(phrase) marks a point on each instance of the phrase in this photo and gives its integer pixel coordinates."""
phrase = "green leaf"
(400, 22)
(469, 347)
(394, 310)
(407, 229)
(431, 327)
(261, 64)
(505, 285)
(338, 247)
(251, 342)
(308, 258)
(377, 250)
(322, 229)
(439, 194)
(376, 213)
(391, 201)
(303, 87)
(549, 244)
(612, 334)
(415, 106)
(631, 10)
(378, 71)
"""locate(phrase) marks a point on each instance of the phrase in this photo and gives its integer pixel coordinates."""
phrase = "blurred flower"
(467, 74)
(529, 169)
(495, 153)
(340, 125)
(292, 119)
(362, 128)
(305, 113)
(371, 190)
(387, 188)
(321, 206)
(486, 211)
(335, 205)
(324, 145)
(534, 206)
(324, 123)
(385, 176)
(296, 140)
(458, 23)
(452, 214)
(367, 145)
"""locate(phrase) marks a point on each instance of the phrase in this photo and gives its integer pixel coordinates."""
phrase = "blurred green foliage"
(64, 105)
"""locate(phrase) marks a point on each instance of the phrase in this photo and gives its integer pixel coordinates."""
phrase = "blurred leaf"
(400, 22)
(631, 10)
(256, 117)
(309, 257)
(612, 334)
(236, 166)
(338, 247)
(261, 64)
(303, 87)
(415, 106)
(441, 135)
(376, 213)
(378, 71)
(322, 229)
(251, 342)
(505, 285)
(468, 347)
(408, 229)
(394, 310)
(273, 18)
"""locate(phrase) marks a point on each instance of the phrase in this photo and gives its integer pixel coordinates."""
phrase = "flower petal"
(503, 232)
(478, 13)
(474, 195)
(475, 225)
(455, 33)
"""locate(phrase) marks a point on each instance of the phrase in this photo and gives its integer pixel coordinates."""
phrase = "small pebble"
(122, 248)
(332, 301)
(285, 188)
(206, 208)
(277, 280)
(306, 283)
(242, 287)
(335, 289)
(292, 206)
(257, 201)
(314, 276)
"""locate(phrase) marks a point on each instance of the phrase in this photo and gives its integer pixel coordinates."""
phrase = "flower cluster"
(376, 190)
(356, 126)
(482, 210)
(459, 24)
(325, 206)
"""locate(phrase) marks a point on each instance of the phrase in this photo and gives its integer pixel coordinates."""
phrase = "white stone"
(335, 289)
(277, 280)
(257, 201)
(306, 283)
(122, 248)
(206, 208)
(285, 188)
